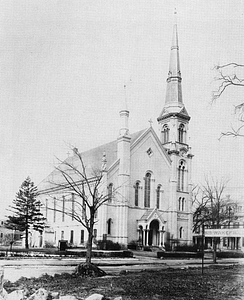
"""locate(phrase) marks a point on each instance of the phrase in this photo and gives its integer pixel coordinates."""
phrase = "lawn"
(218, 282)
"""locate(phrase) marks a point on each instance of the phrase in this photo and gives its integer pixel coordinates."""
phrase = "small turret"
(124, 117)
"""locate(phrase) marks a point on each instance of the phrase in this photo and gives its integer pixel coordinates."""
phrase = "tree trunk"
(1, 280)
(26, 239)
(214, 250)
(89, 245)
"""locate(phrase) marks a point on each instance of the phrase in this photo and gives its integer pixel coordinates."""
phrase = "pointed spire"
(174, 93)
(173, 101)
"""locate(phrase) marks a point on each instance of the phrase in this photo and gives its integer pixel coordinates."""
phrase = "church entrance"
(153, 239)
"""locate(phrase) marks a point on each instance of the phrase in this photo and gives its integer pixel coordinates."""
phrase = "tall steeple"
(174, 92)
(173, 101)
(173, 122)
(174, 118)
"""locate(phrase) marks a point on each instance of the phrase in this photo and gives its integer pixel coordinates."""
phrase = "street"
(16, 268)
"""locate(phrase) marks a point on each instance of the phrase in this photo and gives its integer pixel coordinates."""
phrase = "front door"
(154, 233)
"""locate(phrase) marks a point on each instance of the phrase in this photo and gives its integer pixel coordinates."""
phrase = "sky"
(64, 64)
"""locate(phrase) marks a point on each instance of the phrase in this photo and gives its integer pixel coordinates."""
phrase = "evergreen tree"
(26, 211)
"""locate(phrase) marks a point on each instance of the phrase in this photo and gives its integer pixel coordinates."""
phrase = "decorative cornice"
(173, 152)
(126, 137)
(174, 78)
(168, 115)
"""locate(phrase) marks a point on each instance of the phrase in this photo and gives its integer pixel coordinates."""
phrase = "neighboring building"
(155, 204)
(234, 211)
(8, 236)
(236, 242)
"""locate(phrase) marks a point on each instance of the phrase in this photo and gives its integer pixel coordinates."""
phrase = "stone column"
(138, 236)
(160, 238)
(145, 237)
(142, 237)
(163, 232)
(148, 233)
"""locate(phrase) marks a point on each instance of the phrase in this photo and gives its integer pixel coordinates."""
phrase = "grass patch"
(168, 284)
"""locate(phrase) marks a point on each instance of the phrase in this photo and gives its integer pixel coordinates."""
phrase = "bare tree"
(211, 207)
(88, 192)
(230, 74)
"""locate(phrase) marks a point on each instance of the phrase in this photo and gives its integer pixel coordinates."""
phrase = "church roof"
(94, 156)
(146, 214)
(92, 160)
(151, 214)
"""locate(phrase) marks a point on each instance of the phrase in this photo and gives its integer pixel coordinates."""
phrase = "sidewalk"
(32, 267)
(139, 258)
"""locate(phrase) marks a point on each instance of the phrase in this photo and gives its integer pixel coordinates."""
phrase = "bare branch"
(87, 185)
(210, 204)
(227, 76)
(233, 133)
(227, 65)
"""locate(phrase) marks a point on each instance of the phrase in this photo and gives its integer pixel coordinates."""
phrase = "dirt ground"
(217, 282)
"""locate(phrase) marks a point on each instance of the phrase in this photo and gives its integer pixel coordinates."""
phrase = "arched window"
(137, 193)
(181, 233)
(147, 190)
(109, 225)
(158, 196)
(110, 192)
(181, 176)
(181, 133)
(183, 204)
(165, 134)
(179, 207)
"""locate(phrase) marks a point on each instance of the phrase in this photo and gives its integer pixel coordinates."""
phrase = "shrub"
(230, 254)
(186, 248)
(179, 254)
(108, 245)
(167, 247)
(49, 245)
(146, 248)
(127, 253)
(133, 245)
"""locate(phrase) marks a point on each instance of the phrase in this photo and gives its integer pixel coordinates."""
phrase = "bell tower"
(173, 122)
(174, 119)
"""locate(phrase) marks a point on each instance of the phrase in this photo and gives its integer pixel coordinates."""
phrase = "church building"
(154, 207)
